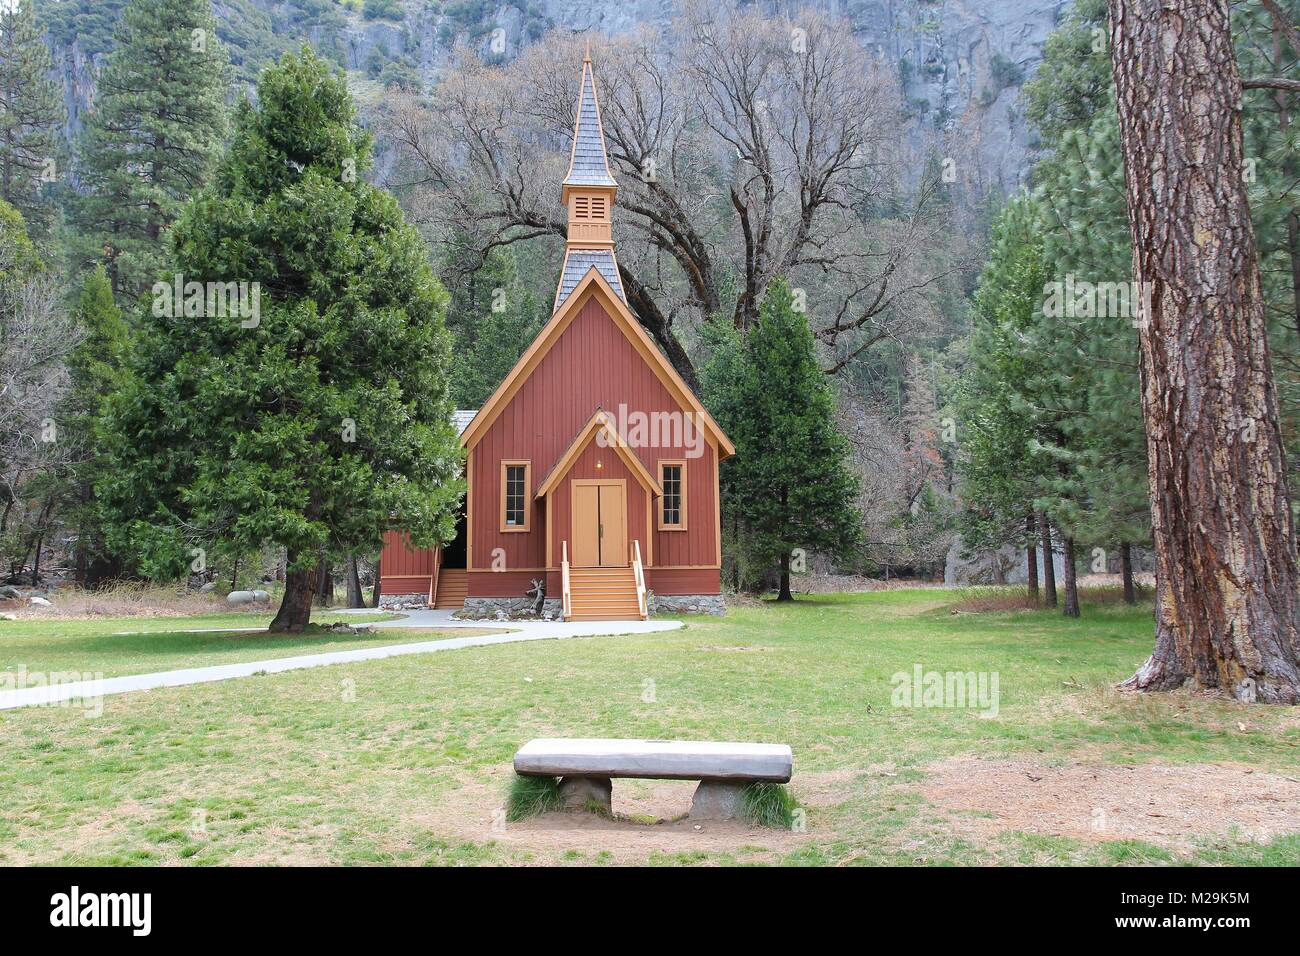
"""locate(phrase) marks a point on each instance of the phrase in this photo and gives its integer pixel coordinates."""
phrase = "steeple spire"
(588, 162)
(588, 193)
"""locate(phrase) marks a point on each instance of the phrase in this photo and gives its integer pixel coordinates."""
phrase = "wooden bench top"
(658, 759)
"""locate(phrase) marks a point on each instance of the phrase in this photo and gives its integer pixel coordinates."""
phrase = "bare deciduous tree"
(36, 337)
(745, 146)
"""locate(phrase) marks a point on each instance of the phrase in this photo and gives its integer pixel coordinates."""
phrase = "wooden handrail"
(640, 578)
(564, 580)
(433, 578)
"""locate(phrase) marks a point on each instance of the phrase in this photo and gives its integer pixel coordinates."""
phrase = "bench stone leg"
(717, 800)
(587, 793)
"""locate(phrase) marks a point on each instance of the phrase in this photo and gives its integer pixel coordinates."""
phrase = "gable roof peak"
(593, 285)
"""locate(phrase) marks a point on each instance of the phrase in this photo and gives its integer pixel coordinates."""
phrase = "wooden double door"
(599, 525)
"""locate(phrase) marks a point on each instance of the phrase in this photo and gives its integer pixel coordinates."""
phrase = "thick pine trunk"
(374, 591)
(1126, 572)
(295, 608)
(355, 597)
(1071, 606)
(1049, 563)
(1031, 557)
(784, 593)
(1282, 98)
(1226, 576)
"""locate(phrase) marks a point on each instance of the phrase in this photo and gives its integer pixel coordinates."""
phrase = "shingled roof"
(577, 262)
(461, 418)
(588, 165)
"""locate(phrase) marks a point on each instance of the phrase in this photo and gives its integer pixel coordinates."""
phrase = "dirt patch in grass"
(650, 820)
(1169, 805)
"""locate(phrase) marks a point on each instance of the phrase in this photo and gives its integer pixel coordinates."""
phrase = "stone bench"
(586, 768)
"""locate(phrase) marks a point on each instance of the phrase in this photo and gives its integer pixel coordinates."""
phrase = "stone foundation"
(489, 608)
(685, 604)
(403, 602)
(492, 608)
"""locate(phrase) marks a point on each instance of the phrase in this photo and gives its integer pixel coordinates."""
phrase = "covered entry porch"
(599, 500)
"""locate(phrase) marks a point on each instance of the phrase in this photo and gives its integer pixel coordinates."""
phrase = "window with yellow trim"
(672, 508)
(515, 490)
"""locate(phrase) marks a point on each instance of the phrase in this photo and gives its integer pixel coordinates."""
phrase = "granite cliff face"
(961, 62)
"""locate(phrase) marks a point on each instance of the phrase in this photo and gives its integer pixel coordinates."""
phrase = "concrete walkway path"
(517, 631)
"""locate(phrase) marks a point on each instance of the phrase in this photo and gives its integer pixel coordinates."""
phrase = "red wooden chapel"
(593, 466)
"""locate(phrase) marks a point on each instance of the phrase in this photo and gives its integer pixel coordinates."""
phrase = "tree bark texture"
(784, 593)
(295, 608)
(1031, 557)
(355, 596)
(1225, 551)
(1071, 606)
(1126, 572)
(1049, 563)
(324, 583)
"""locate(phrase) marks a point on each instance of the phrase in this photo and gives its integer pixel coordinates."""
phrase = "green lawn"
(406, 760)
(157, 644)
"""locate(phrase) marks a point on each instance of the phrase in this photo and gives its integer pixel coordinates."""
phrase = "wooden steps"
(603, 594)
(453, 583)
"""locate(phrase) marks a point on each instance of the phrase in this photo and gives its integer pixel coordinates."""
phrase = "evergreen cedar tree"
(328, 420)
(788, 486)
(95, 371)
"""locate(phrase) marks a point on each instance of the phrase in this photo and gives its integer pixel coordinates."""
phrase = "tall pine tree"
(1100, 489)
(789, 482)
(152, 138)
(30, 116)
(998, 431)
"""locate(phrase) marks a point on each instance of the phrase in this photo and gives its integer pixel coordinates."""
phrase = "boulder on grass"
(247, 597)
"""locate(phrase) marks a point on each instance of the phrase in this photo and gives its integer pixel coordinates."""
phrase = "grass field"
(117, 646)
(407, 760)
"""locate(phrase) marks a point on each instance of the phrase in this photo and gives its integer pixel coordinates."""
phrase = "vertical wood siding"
(591, 364)
(401, 566)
